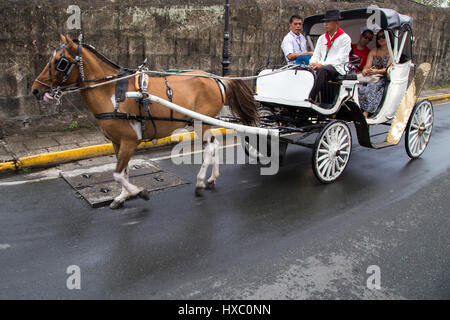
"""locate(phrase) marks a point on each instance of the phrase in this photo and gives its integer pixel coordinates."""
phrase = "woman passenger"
(378, 61)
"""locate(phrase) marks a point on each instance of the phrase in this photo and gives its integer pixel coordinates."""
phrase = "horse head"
(58, 73)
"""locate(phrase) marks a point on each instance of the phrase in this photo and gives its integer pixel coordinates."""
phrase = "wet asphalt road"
(254, 237)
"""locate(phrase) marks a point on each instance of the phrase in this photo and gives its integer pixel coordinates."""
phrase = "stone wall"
(172, 34)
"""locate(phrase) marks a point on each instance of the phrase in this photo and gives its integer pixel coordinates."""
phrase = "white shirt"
(293, 43)
(338, 54)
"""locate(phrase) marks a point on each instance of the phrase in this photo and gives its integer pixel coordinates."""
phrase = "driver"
(294, 43)
(330, 55)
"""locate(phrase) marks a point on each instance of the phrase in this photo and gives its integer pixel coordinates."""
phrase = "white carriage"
(284, 99)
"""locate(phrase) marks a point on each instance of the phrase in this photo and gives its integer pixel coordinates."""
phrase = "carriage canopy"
(385, 18)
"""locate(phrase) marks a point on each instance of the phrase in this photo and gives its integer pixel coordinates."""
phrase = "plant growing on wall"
(434, 3)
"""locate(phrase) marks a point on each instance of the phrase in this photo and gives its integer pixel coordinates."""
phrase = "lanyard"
(298, 41)
(328, 50)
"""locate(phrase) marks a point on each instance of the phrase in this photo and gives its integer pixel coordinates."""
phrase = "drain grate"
(99, 188)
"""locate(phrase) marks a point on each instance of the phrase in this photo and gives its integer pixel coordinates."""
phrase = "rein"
(65, 66)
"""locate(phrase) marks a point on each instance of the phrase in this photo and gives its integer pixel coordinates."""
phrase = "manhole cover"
(99, 188)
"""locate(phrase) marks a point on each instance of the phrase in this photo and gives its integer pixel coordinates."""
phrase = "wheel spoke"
(333, 168)
(416, 146)
(343, 140)
(413, 137)
(323, 164)
(419, 145)
(325, 168)
(345, 145)
(326, 145)
(341, 159)
(328, 170)
(341, 134)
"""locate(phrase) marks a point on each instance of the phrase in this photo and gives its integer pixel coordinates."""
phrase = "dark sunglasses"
(368, 38)
(381, 36)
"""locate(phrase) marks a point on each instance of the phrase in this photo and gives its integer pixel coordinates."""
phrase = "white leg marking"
(137, 128)
(208, 154)
(131, 188)
(215, 170)
(124, 195)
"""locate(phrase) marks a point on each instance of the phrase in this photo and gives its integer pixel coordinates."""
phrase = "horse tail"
(239, 97)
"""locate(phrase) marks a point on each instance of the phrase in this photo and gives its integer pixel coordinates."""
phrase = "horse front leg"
(121, 176)
(124, 195)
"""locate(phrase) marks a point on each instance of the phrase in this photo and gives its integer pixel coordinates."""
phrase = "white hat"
(373, 28)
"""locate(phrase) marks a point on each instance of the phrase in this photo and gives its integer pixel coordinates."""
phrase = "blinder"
(62, 64)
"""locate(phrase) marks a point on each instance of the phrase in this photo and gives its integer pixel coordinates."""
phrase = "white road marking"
(55, 173)
(190, 153)
(4, 246)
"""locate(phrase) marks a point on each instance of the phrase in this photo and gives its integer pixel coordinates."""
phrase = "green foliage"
(434, 3)
(73, 125)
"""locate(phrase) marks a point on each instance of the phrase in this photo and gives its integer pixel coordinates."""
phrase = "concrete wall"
(171, 34)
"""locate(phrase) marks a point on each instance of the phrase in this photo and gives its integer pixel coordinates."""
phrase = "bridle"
(65, 66)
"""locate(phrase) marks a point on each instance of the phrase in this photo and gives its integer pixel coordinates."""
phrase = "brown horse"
(200, 94)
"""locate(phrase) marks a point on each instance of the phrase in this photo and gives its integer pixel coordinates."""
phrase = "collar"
(294, 35)
(338, 33)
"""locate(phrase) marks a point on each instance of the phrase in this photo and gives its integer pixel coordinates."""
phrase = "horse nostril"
(35, 92)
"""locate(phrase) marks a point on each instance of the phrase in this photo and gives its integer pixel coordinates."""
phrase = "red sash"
(338, 33)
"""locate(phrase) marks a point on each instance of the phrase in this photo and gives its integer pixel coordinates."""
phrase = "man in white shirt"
(330, 55)
(294, 43)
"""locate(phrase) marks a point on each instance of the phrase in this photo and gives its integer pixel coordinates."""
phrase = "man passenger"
(360, 49)
(330, 55)
(294, 43)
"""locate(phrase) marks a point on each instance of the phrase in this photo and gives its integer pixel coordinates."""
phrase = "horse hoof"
(199, 192)
(144, 194)
(210, 185)
(116, 204)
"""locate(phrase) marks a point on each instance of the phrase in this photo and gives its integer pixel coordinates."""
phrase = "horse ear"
(63, 38)
(70, 43)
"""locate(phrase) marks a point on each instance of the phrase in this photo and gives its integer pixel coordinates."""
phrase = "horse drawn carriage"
(172, 100)
(285, 104)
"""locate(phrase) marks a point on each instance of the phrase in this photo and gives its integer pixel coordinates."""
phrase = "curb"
(438, 98)
(53, 158)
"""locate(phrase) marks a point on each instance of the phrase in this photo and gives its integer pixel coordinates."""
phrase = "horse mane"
(101, 56)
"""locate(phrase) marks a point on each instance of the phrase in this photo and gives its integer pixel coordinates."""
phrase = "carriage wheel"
(332, 151)
(418, 130)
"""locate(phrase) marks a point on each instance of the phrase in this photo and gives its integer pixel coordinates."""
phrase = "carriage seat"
(347, 76)
(290, 87)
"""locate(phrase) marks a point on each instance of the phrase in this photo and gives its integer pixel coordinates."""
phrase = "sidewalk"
(28, 144)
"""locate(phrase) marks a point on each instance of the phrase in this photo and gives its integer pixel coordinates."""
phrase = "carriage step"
(382, 145)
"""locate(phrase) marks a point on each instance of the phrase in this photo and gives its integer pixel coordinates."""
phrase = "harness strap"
(220, 82)
(169, 93)
(129, 116)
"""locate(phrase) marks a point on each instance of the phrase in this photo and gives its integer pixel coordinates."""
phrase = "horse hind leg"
(208, 154)
(215, 170)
